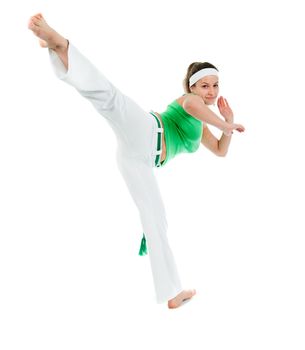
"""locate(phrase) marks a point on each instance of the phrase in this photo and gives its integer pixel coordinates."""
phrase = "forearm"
(223, 144)
(199, 110)
(212, 118)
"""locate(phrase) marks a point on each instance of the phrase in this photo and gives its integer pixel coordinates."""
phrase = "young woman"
(147, 140)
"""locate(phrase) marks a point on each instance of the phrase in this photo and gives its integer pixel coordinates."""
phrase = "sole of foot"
(181, 299)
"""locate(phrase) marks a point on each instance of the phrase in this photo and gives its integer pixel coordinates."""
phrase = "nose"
(211, 90)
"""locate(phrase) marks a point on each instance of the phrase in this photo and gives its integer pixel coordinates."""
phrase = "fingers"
(223, 101)
(240, 128)
(220, 103)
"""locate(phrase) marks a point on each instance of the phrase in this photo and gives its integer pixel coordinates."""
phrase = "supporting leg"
(144, 189)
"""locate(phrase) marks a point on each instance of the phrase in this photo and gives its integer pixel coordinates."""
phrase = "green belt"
(159, 141)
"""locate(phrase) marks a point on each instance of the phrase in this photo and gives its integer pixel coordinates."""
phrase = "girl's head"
(202, 79)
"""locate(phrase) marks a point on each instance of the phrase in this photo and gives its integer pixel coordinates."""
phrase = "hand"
(225, 110)
(229, 128)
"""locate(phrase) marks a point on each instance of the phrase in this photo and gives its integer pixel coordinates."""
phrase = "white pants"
(136, 133)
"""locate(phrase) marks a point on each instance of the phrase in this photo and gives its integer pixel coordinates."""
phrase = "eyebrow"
(208, 83)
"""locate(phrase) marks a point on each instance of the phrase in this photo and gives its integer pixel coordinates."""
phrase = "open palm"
(224, 109)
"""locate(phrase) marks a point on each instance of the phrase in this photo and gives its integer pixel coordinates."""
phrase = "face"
(207, 88)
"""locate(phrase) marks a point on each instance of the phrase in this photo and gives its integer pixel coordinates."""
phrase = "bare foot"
(48, 36)
(179, 299)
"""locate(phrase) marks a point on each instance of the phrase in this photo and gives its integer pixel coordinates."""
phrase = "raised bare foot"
(179, 299)
(48, 36)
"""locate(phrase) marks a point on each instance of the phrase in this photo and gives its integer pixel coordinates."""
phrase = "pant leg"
(135, 130)
(131, 124)
(143, 187)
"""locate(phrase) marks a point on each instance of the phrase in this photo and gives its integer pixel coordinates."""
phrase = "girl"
(147, 140)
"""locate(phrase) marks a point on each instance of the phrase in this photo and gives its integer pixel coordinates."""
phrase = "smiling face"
(207, 88)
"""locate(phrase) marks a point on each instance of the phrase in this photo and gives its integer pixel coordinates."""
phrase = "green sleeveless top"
(182, 132)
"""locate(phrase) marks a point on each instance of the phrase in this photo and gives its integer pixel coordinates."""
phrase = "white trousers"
(136, 133)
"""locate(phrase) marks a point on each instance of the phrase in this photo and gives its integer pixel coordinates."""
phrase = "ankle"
(61, 46)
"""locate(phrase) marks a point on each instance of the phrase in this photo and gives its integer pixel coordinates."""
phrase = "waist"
(163, 154)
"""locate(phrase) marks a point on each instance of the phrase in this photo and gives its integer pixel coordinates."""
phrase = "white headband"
(202, 73)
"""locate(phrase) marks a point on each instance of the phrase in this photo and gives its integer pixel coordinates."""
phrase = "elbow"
(221, 154)
(221, 151)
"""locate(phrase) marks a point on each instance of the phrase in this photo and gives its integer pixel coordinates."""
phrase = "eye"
(204, 86)
(216, 85)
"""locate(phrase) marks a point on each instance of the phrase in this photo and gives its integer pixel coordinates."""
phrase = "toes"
(172, 305)
(31, 25)
(38, 15)
(36, 20)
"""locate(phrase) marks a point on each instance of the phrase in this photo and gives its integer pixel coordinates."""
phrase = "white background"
(70, 276)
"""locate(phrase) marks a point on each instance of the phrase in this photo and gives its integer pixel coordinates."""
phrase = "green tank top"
(182, 132)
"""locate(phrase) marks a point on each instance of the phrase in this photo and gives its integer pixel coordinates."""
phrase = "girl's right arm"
(195, 106)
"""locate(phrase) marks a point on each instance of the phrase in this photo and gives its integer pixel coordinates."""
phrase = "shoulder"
(187, 99)
(193, 103)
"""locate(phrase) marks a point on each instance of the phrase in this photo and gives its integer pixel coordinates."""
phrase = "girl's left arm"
(219, 147)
